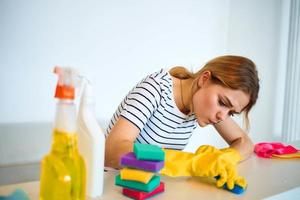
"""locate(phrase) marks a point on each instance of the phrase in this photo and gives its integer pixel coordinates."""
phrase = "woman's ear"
(204, 78)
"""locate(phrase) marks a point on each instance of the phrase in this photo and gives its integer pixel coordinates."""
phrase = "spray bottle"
(91, 141)
(63, 174)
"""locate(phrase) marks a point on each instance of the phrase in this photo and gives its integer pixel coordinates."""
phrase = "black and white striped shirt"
(150, 106)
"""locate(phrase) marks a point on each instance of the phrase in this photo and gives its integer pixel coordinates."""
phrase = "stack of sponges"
(138, 177)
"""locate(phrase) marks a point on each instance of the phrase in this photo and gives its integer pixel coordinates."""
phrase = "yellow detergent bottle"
(63, 173)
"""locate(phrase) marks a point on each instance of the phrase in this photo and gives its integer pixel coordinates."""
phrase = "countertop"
(265, 177)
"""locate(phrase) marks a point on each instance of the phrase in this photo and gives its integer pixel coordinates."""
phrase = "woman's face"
(213, 103)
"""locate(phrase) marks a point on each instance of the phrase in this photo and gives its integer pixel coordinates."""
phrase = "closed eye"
(231, 114)
(226, 103)
(222, 103)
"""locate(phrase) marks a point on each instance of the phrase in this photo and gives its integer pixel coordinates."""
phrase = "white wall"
(116, 43)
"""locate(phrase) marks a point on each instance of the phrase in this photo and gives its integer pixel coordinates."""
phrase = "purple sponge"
(130, 160)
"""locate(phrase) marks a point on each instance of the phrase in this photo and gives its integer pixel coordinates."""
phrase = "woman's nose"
(221, 115)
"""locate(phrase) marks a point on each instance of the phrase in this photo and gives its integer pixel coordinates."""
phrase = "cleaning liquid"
(63, 173)
(91, 141)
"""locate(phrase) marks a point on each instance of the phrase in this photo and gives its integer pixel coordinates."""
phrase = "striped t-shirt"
(151, 107)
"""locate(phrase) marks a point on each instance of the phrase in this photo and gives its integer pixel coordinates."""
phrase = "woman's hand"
(206, 162)
(211, 162)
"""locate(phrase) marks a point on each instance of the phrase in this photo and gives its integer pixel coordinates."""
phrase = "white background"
(117, 42)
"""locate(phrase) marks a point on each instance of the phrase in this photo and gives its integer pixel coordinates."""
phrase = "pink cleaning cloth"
(268, 149)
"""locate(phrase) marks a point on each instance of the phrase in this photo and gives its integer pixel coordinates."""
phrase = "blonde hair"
(234, 72)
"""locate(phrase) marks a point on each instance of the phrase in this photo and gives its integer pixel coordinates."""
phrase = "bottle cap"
(65, 86)
(64, 92)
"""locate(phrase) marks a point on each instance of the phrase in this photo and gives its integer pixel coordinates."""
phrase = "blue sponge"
(18, 194)
(236, 189)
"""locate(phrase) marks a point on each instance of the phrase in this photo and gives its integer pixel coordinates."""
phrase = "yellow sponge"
(136, 175)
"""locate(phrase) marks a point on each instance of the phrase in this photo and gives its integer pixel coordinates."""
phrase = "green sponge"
(148, 152)
(149, 187)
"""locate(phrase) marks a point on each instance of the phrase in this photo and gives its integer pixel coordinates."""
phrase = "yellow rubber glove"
(228, 158)
(207, 161)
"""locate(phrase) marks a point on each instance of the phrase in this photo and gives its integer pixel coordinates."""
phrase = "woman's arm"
(119, 141)
(235, 137)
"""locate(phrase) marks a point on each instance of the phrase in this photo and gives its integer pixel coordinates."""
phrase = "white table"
(266, 177)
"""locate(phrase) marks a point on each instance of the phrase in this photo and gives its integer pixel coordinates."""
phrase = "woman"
(165, 107)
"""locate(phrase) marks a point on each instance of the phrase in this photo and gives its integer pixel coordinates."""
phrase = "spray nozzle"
(66, 84)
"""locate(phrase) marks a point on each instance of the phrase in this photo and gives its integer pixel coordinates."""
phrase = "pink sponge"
(139, 195)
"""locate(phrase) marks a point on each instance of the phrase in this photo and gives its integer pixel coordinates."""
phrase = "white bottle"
(91, 142)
